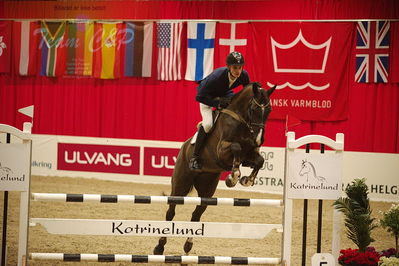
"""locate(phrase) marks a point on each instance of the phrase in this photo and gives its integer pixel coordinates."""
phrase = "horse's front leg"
(235, 174)
(257, 163)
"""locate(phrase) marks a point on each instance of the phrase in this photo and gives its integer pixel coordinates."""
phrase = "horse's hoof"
(229, 181)
(188, 246)
(158, 250)
(246, 182)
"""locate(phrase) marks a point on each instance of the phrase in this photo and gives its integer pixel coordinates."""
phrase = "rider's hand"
(223, 102)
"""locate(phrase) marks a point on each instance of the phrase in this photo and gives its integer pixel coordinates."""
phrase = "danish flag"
(372, 51)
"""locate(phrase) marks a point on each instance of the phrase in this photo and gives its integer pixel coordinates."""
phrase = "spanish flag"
(80, 48)
(107, 50)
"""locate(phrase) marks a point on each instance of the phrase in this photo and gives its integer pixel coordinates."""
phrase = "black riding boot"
(195, 161)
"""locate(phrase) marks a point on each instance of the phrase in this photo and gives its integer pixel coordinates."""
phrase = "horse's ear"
(270, 91)
(255, 87)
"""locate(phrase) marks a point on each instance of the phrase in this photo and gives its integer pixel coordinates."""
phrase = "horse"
(234, 140)
(308, 168)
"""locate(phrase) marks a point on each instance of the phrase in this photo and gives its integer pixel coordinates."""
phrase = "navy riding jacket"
(216, 84)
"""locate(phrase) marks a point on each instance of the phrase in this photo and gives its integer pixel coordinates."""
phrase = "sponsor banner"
(14, 167)
(159, 161)
(98, 158)
(314, 176)
(155, 228)
(157, 157)
(270, 178)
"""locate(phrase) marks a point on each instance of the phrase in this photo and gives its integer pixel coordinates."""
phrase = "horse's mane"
(244, 93)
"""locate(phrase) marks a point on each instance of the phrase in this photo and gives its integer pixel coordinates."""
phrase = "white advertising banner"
(14, 167)
(314, 175)
(147, 161)
(155, 228)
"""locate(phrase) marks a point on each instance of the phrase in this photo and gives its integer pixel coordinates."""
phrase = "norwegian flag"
(372, 51)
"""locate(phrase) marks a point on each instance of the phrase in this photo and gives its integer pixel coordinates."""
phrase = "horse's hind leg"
(181, 186)
(205, 186)
(159, 249)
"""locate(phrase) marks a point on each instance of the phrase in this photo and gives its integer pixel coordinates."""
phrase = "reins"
(239, 118)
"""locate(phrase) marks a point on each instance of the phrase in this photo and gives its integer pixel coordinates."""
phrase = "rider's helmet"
(235, 59)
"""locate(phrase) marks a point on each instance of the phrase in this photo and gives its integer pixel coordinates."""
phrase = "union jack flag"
(372, 51)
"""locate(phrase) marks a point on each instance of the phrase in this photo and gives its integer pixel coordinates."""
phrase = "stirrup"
(195, 163)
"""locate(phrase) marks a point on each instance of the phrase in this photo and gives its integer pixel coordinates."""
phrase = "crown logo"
(284, 55)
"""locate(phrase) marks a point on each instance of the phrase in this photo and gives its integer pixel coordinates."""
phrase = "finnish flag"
(200, 49)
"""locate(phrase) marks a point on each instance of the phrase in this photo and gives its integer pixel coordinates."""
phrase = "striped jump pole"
(153, 258)
(100, 198)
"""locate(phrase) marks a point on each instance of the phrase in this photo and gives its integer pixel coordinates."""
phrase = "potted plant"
(390, 221)
(359, 224)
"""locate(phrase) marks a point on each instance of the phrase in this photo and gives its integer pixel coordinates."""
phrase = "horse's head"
(304, 168)
(259, 106)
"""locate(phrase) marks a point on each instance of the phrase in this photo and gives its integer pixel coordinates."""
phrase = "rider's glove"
(223, 102)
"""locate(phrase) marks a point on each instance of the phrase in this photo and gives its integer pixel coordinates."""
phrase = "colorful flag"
(200, 48)
(53, 54)
(108, 38)
(26, 38)
(372, 51)
(169, 50)
(394, 53)
(5, 46)
(138, 49)
(80, 48)
(230, 37)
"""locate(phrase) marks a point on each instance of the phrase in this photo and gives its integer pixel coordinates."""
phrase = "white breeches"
(206, 113)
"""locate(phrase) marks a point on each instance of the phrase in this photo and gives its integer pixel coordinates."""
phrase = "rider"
(216, 91)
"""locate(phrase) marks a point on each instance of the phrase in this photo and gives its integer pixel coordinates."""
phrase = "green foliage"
(356, 208)
(390, 221)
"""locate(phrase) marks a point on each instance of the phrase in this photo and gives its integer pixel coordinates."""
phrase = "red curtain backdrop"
(145, 108)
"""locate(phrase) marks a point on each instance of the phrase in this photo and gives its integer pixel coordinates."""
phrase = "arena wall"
(145, 161)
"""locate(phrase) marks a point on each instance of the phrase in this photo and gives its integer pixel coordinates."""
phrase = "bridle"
(249, 124)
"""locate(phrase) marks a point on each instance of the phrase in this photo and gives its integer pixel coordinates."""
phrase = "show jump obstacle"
(134, 227)
(15, 162)
(172, 228)
(312, 175)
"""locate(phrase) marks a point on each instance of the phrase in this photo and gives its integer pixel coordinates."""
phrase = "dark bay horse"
(235, 139)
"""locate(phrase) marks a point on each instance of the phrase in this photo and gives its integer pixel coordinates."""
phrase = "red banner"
(160, 161)
(98, 158)
(309, 63)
